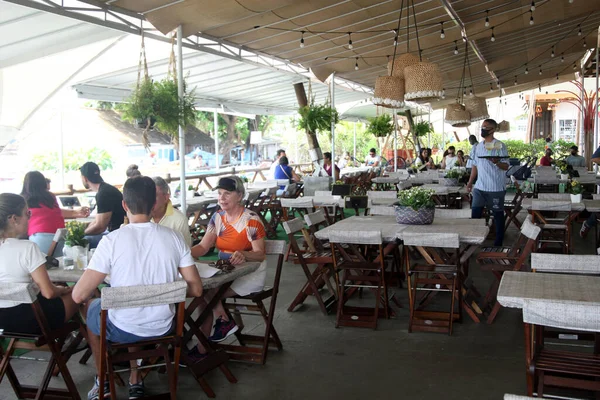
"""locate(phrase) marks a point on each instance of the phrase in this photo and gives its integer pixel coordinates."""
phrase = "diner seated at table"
(424, 159)
(284, 171)
(373, 160)
(239, 235)
(110, 214)
(46, 215)
(461, 162)
(132, 171)
(22, 261)
(166, 215)
(547, 160)
(140, 253)
(328, 165)
(592, 219)
(574, 159)
(450, 158)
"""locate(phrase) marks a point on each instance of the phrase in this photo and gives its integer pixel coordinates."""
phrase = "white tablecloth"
(577, 207)
(562, 301)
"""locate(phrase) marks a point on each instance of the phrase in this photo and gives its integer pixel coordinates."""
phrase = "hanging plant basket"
(477, 108)
(457, 116)
(423, 82)
(401, 62)
(317, 118)
(503, 126)
(381, 126)
(389, 92)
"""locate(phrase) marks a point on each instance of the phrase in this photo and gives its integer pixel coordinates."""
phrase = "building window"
(566, 129)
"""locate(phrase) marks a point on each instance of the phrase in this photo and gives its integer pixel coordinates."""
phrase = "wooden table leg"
(529, 357)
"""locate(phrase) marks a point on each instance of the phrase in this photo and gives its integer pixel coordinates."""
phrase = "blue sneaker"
(94, 393)
(222, 330)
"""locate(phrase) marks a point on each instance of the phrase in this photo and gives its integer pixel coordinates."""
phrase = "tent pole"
(596, 138)
(181, 132)
(395, 141)
(332, 83)
(216, 124)
(354, 160)
(61, 154)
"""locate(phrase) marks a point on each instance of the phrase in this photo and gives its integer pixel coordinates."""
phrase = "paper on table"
(205, 270)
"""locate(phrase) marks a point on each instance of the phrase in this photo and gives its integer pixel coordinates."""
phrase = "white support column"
(354, 155)
(61, 153)
(596, 138)
(395, 140)
(216, 125)
(183, 190)
(332, 83)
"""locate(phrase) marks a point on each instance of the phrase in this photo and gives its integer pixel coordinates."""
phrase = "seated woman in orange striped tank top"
(239, 235)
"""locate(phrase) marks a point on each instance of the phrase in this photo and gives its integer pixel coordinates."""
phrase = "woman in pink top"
(46, 215)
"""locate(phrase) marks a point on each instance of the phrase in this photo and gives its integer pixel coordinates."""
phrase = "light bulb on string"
(302, 40)
(574, 66)
(493, 38)
(350, 41)
(579, 33)
(540, 69)
(487, 19)
(442, 33)
(395, 37)
(584, 43)
(498, 83)
(356, 64)
(531, 19)
(471, 91)
(443, 93)
(556, 76)
(540, 86)
(552, 54)
(532, 6)
(455, 48)
(526, 70)
(491, 88)
(515, 80)
(562, 58)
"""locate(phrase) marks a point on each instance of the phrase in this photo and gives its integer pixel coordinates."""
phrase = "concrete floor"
(478, 361)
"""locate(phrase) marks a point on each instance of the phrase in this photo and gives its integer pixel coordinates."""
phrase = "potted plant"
(381, 126)
(575, 188)
(422, 128)
(415, 206)
(317, 118)
(563, 168)
(76, 245)
(451, 178)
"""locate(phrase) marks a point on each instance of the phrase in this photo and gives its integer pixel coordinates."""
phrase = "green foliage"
(140, 105)
(454, 174)
(344, 140)
(422, 128)
(75, 234)
(575, 187)
(416, 198)
(519, 149)
(317, 118)
(74, 159)
(562, 166)
(381, 126)
(105, 105)
(169, 114)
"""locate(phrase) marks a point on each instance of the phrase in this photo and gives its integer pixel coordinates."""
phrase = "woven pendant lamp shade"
(401, 62)
(503, 126)
(389, 92)
(423, 82)
(477, 107)
(457, 116)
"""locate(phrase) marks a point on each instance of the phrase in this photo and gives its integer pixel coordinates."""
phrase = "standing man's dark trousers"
(494, 201)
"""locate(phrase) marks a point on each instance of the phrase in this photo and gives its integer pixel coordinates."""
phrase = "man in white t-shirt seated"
(373, 160)
(280, 153)
(140, 253)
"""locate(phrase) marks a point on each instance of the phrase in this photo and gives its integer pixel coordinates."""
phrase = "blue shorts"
(113, 334)
(493, 201)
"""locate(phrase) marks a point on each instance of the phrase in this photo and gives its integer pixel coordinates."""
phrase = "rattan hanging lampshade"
(477, 107)
(457, 116)
(401, 62)
(389, 92)
(423, 82)
(503, 126)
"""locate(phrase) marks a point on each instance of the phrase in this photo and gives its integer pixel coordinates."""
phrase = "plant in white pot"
(415, 206)
(575, 188)
(563, 168)
(76, 245)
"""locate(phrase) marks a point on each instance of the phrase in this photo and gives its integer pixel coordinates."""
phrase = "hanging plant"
(381, 126)
(139, 108)
(167, 110)
(317, 118)
(422, 128)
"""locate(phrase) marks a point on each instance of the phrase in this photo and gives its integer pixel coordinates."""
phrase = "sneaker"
(195, 356)
(136, 391)
(223, 329)
(94, 393)
(585, 228)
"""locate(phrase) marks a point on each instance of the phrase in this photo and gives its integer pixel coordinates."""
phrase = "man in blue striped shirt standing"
(490, 188)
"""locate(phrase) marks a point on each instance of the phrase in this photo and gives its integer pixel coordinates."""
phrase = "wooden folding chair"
(500, 259)
(254, 348)
(48, 340)
(293, 208)
(153, 349)
(439, 273)
(356, 203)
(358, 259)
(555, 230)
(316, 279)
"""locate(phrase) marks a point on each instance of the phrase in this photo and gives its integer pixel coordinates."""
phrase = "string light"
(531, 19)
(579, 33)
(302, 40)
(455, 48)
(443, 93)
(556, 76)
(540, 86)
(515, 80)
(562, 58)
(570, 1)
(356, 64)
(491, 88)
(471, 91)
(493, 38)
(487, 19)
(574, 66)
(584, 43)
(526, 69)
(533, 6)
(540, 69)
(350, 41)
(395, 37)
(552, 55)
(498, 83)
(442, 34)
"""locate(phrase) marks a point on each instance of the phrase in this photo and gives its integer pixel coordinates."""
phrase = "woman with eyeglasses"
(46, 215)
(239, 235)
(21, 261)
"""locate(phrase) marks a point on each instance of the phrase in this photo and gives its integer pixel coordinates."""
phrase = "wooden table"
(569, 302)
